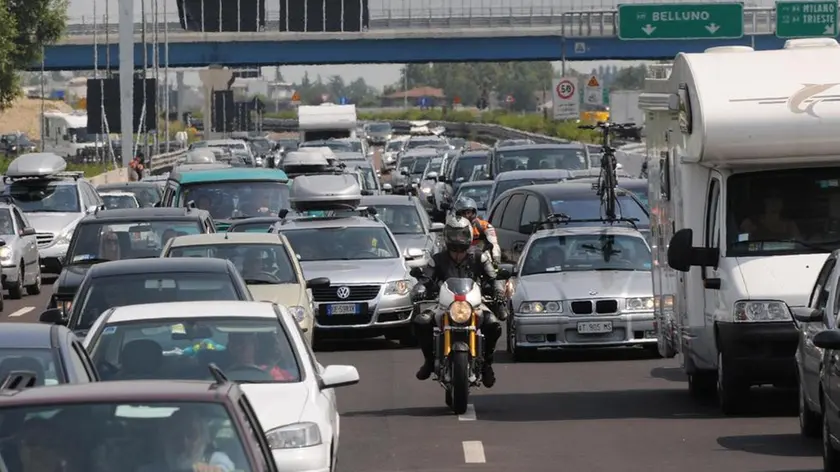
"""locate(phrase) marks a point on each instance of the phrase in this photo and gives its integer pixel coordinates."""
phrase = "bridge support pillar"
(212, 79)
(126, 48)
(182, 90)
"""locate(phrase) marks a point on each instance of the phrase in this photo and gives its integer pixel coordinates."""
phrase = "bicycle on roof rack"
(607, 180)
(554, 220)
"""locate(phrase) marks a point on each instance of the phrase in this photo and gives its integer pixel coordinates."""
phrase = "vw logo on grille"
(343, 292)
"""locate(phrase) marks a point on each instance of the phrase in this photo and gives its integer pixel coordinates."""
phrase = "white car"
(118, 200)
(257, 344)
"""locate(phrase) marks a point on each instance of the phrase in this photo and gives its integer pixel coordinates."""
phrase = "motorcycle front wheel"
(460, 378)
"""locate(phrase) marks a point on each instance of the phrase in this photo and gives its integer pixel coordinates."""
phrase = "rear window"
(580, 208)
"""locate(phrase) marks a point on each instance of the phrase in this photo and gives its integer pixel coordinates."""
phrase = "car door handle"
(518, 246)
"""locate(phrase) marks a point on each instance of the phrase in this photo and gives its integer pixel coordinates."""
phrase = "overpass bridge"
(538, 33)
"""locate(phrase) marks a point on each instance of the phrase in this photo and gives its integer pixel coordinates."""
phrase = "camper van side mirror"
(432, 176)
(92, 209)
(682, 255)
(828, 339)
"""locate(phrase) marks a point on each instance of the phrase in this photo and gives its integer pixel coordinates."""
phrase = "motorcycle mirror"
(416, 272)
(503, 274)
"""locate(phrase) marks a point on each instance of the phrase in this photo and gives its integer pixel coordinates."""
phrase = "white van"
(66, 134)
(326, 121)
(744, 158)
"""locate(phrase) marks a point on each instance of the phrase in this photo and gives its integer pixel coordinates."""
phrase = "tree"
(26, 26)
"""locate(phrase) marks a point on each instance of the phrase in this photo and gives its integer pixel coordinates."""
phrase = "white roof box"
(777, 107)
(36, 164)
(720, 49)
(811, 43)
(325, 192)
(200, 156)
(300, 158)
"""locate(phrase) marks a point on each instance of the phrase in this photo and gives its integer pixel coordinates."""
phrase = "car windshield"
(356, 146)
(586, 252)
(337, 146)
(465, 164)
(416, 143)
(541, 158)
(41, 362)
(115, 202)
(142, 436)
(258, 263)
(343, 243)
(401, 219)
(772, 213)
(47, 196)
(419, 165)
(252, 350)
(261, 146)
(479, 193)
(146, 195)
(103, 293)
(98, 241)
(580, 208)
(505, 185)
(434, 166)
(233, 200)
(393, 146)
(379, 128)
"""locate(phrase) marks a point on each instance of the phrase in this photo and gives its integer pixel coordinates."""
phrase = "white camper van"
(326, 121)
(66, 134)
(744, 158)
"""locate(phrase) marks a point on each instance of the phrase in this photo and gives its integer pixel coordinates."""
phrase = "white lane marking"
(468, 415)
(474, 452)
(22, 311)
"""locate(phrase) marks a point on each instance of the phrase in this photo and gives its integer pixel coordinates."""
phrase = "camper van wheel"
(730, 389)
(701, 384)
(16, 291)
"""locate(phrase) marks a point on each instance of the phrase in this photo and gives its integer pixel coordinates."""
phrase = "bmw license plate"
(345, 309)
(595, 327)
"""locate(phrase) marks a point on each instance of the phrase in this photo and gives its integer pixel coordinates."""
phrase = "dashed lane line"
(21, 312)
(474, 452)
(468, 415)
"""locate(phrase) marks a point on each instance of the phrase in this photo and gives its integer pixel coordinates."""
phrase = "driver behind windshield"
(109, 248)
(187, 445)
(361, 242)
(403, 221)
(242, 348)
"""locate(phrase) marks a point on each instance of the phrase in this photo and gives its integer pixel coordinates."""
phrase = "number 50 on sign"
(565, 99)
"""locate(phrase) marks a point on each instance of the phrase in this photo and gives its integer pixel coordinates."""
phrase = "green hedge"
(90, 170)
(533, 123)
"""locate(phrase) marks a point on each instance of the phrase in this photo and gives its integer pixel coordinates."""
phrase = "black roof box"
(325, 192)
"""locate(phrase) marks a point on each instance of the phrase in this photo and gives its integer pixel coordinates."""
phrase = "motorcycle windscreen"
(324, 15)
(213, 15)
(459, 286)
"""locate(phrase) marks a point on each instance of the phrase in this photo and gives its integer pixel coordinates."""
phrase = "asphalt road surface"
(592, 411)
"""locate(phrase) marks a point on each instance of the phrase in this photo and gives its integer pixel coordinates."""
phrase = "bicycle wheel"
(608, 197)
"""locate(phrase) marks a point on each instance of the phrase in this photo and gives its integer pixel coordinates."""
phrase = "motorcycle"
(458, 341)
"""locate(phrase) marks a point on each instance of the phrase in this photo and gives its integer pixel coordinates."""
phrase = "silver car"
(370, 289)
(410, 225)
(378, 133)
(19, 259)
(582, 287)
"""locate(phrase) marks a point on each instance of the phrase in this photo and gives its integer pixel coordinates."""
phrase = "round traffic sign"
(565, 89)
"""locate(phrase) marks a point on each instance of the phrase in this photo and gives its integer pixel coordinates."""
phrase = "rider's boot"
(488, 376)
(491, 337)
(427, 347)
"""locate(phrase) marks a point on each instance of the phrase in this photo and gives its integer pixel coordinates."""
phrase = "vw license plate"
(595, 327)
(346, 309)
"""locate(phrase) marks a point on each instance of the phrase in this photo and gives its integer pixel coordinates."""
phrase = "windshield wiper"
(93, 260)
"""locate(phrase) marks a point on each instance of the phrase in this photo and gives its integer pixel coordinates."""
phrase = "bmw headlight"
(426, 190)
(65, 235)
(298, 312)
(294, 436)
(398, 287)
(460, 312)
(761, 310)
(536, 308)
(639, 304)
(5, 253)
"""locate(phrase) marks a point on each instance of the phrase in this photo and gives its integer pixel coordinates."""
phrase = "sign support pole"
(126, 49)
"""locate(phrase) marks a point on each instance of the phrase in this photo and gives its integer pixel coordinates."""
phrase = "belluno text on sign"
(680, 21)
(806, 19)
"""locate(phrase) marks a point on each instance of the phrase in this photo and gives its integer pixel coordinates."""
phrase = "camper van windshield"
(783, 212)
(80, 135)
(540, 158)
(337, 146)
(47, 196)
(234, 200)
(342, 244)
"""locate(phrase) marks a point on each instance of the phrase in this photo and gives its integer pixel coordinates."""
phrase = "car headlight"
(294, 436)
(639, 304)
(5, 253)
(426, 190)
(761, 310)
(398, 287)
(298, 312)
(536, 308)
(460, 312)
(65, 235)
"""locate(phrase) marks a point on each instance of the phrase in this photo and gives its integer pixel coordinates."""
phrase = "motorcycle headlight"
(298, 312)
(398, 287)
(460, 312)
(536, 308)
(294, 436)
(5, 253)
(639, 304)
(761, 311)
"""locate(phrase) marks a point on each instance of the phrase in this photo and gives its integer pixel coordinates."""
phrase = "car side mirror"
(52, 316)
(432, 176)
(387, 187)
(335, 376)
(318, 282)
(438, 227)
(806, 314)
(682, 255)
(828, 339)
(459, 180)
(413, 253)
(28, 232)
(92, 209)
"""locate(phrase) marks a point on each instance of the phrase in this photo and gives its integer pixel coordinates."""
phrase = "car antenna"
(217, 374)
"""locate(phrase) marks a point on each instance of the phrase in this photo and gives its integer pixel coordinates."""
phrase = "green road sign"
(681, 21)
(806, 19)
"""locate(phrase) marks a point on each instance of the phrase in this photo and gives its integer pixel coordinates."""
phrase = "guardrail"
(479, 132)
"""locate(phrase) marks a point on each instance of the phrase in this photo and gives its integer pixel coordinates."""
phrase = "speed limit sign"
(566, 99)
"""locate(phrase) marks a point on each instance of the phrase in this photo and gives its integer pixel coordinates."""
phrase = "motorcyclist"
(458, 261)
(483, 233)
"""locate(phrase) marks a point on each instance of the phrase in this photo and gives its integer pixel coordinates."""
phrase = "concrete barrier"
(111, 177)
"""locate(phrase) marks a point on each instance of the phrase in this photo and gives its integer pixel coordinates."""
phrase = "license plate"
(595, 327)
(347, 309)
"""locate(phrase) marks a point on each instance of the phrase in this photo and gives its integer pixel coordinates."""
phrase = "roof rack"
(556, 219)
(18, 380)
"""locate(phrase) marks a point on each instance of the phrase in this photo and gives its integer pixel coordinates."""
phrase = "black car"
(147, 193)
(571, 156)
(51, 352)
(110, 235)
(460, 169)
(639, 187)
(258, 224)
(159, 280)
(516, 213)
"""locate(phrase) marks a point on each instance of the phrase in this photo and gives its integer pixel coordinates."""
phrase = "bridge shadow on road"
(578, 355)
(787, 445)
